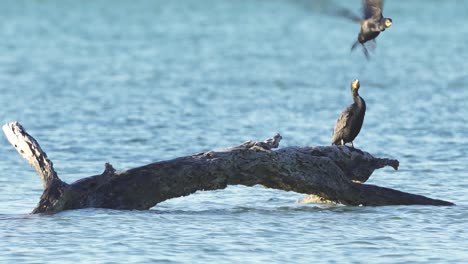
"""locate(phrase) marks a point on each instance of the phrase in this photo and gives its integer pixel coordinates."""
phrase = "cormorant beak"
(388, 23)
(355, 84)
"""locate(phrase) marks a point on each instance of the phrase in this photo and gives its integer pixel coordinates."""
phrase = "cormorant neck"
(358, 99)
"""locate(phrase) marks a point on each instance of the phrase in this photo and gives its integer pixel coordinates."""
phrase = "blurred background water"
(134, 82)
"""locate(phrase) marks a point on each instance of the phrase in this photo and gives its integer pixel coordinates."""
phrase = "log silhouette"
(334, 173)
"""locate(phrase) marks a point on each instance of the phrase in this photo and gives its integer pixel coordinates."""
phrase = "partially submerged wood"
(334, 173)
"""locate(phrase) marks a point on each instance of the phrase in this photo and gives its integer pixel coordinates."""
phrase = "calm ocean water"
(134, 82)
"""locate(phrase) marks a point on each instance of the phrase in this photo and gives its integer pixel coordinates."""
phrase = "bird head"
(388, 22)
(355, 85)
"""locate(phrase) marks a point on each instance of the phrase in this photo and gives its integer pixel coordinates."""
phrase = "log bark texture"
(334, 173)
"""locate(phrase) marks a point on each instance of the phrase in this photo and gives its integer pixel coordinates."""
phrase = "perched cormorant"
(350, 121)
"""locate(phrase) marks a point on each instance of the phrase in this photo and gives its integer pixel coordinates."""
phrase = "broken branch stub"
(30, 150)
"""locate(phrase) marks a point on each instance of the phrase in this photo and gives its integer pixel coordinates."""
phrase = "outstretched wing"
(344, 12)
(372, 8)
(326, 7)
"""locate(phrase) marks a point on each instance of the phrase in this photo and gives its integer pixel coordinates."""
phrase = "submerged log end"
(372, 195)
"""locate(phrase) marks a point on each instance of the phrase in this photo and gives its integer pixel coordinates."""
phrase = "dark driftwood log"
(334, 173)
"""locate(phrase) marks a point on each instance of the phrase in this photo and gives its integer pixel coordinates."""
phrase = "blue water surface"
(134, 82)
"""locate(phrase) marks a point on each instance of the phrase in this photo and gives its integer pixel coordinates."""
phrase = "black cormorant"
(372, 23)
(350, 121)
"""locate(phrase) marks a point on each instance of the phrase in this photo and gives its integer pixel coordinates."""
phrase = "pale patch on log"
(30, 150)
(311, 198)
(328, 172)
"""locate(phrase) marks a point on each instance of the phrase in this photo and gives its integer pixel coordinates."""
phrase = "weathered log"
(333, 173)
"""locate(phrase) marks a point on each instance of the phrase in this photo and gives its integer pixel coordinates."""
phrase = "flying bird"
(372, 23)
(350, 121)
(372, 20)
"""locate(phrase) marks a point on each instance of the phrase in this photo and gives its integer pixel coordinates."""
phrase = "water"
(134, 82)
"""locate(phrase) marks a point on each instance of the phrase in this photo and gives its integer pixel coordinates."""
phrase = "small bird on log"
(372, 23)
(350, 121)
